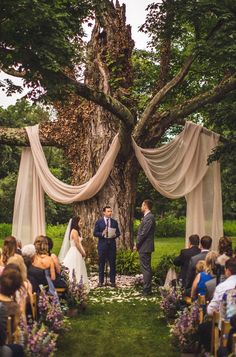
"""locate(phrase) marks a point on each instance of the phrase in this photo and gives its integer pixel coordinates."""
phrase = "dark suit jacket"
(183, 261)
(192, 267)
(146, 230)
(100, 226)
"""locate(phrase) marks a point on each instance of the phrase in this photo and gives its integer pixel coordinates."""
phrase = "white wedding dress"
(71, 258)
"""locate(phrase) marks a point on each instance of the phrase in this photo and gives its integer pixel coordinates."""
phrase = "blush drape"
(177, 169)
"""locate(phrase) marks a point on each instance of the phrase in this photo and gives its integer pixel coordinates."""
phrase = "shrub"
(159, 273)
(230, 228)
(5, 230)
(170, 226)
(127, 262)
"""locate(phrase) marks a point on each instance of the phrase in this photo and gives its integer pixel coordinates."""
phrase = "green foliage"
(165, 263)
(170, 226)
(230, 228)
(127, 262)
(5, 230)
(41, 39)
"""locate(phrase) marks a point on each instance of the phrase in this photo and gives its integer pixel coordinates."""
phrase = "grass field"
(117, 330)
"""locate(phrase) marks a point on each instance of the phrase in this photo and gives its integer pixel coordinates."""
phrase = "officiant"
(106, 230)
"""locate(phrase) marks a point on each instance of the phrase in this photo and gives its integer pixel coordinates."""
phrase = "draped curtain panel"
(176, 169)
(179, 169)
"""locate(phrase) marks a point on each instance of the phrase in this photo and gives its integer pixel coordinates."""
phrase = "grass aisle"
(117, 329)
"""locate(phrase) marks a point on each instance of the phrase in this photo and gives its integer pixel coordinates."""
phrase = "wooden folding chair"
(215, 333)
(60, 291)
(188, 300)
(9, 330)
(225, 328)
(201, 300)
(34, 306)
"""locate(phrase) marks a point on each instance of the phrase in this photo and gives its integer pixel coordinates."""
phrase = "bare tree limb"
(160, 122)
(151, 107)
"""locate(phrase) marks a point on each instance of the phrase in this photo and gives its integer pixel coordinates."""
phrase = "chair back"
(225, 328)
(9, 330)
(215, 333)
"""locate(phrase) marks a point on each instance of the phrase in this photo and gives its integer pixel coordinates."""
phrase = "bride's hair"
(74, 224)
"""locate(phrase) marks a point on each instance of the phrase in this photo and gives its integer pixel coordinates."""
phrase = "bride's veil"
(66, 243)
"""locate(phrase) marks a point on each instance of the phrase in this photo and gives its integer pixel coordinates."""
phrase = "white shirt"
(228, 284)
(146, 213)
(107, 223)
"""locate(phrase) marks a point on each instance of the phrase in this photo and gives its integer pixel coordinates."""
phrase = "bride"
(72, 253)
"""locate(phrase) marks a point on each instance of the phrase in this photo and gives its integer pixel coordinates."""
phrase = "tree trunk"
(86, 130)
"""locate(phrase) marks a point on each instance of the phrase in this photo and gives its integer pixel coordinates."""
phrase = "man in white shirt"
(229, 283)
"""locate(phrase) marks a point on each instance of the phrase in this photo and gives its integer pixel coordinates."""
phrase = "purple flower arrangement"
(76, 293)
(51, 313)
(184, 329)
(171, 301)
(38, 341)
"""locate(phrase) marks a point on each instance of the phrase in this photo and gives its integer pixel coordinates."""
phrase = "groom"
(106, 244)
(145, 244)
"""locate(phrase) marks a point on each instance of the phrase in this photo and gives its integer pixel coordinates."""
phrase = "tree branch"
(162, 121)
(19, 137)
(151, 107)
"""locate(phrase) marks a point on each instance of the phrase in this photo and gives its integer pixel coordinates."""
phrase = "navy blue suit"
(106, 248)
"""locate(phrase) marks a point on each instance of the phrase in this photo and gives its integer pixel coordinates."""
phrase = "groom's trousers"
(107, 252)
(145, 264)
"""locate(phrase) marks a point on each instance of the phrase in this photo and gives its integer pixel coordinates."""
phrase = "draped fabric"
(179, 169)
(176, 169)
(35, 178)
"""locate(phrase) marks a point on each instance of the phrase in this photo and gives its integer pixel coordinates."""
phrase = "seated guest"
(226, 251)
(227, 351)
(185, 255)
(18, 247)
(12, 350)
(9, 250)
(10, 282)
(214, 305)
(35, 275)
(204, 269)
(205, 245)
(58, 282)
(53, 256)
(42, 260)
(24, 296)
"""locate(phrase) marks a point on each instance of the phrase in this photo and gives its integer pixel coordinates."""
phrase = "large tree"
(193, 44)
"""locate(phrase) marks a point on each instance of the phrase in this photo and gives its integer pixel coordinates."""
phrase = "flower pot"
(72, 312)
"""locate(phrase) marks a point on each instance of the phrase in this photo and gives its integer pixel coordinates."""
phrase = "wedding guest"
(205, 245)
(41, 259)
(185, 255)
(12, 350)
(214, 305)
(24, 296)
(106, 244)
(58, 282)
(9, 250)
(18, 246)
(10, 282)
(204, 269)
(145, 244)
(226, 251)
(35, 275)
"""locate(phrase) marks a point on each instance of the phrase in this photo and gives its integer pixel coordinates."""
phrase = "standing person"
(74, 259)
(185, 255)
(106, 244)
(145, 244)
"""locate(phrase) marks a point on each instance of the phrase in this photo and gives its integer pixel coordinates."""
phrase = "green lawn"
(117, 330)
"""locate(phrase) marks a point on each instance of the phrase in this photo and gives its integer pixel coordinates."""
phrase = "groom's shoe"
(113, 285)
(100, 285)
